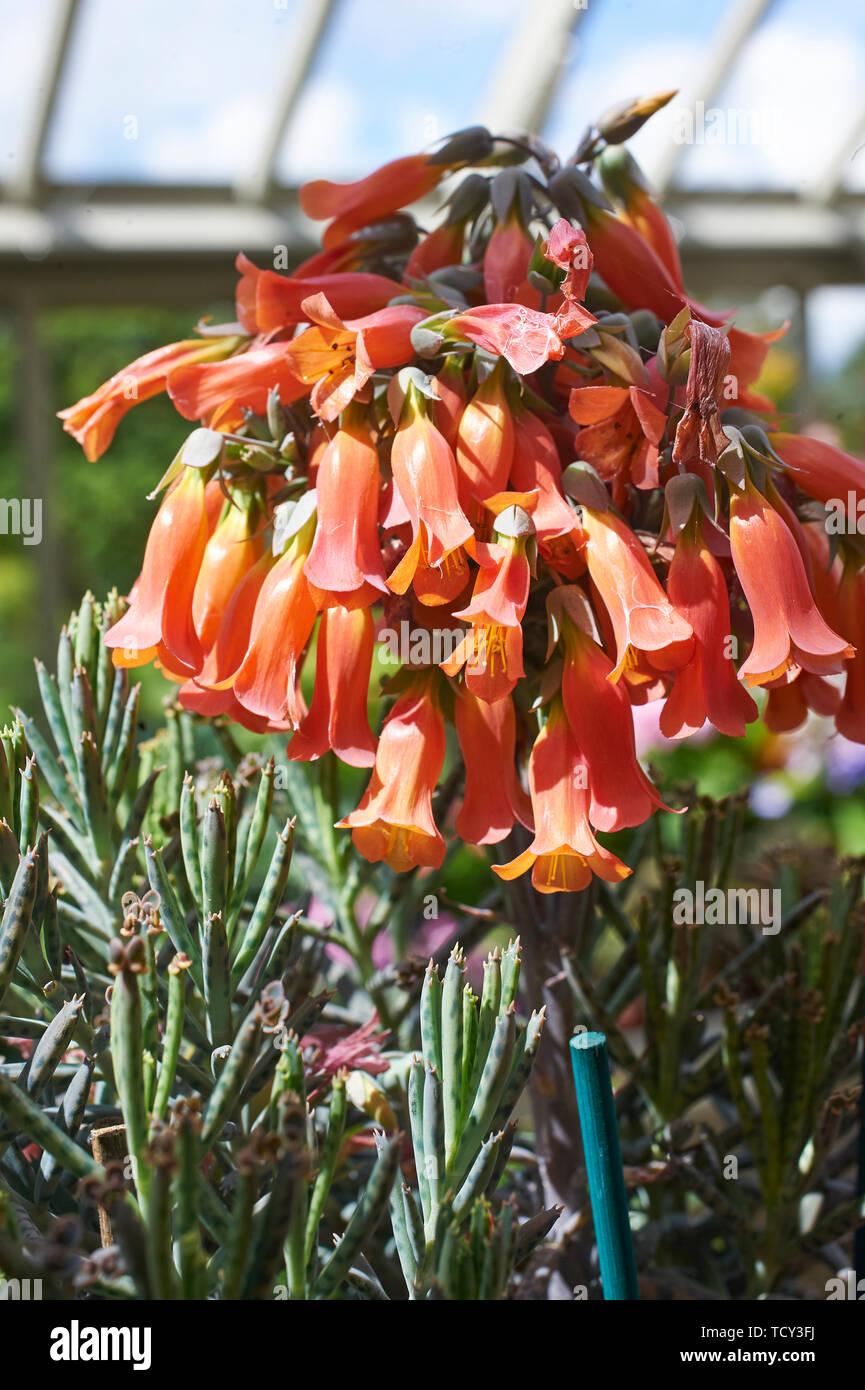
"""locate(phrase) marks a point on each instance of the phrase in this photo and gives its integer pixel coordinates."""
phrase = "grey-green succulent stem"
(268, 901)
(477, 1180)
(94, 796)
(28, 812)
(150, 999)
(82, 706)
(190, 1255)
(415, 1227)
(431, 1017)
(122, 757)
(217, 979)
(15, 922)
(172, 914)
(231, 1079)
(127, 1048)
(402, 1241)
(51, 1046)
(140, 802)
(489, 1092)
(258, 825)
(24, 1115)
(294, 1250)
(189, 842)
(415, 1110)
(47, 763)
(56, 717)
(327, 1163)
(52, 945)
(362, 1222)
(9, 854)
(521, 1067)
(69, 1118)
(172, 1037)
(160, 1264)
(111, 708)
(226, 796)
(452, 1054)
(511, 957)
(214, 860)
(433, 1144)
(470, 1037)
(240, 1235)
(491, 995)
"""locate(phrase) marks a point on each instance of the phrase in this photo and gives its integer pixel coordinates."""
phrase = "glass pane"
(626, 49)
(168, 92)
(789, 102)
(25, 30)
(390, 79)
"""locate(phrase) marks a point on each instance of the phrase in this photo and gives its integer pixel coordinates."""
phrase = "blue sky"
(180, 90)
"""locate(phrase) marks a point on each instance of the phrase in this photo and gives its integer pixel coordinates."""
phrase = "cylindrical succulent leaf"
(452, 1054)
(363, 1220)
(15, 922)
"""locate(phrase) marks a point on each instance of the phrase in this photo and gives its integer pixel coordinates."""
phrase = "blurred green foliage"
(98, 513)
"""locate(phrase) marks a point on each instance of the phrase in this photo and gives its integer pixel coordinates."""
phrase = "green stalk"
(126, 1049)
(268, 901)
(362, 1221)
(327, 1164)
(173, 1034)
(452, 1054)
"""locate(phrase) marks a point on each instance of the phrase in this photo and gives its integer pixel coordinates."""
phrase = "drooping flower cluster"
(514, 449)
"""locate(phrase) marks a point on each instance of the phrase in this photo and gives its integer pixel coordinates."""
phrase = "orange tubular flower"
(643, 618)
(788, 626)
(216, 392)
(506, 263)
(210, 703)
(93, 420)
(601, 720)
(159, 618)
(394, 821)
(232, 550)
(620, 436)
(850, 718)
(485, 441)
(337, 717)
(450, 401)
(232, 639)
(564, 853)
(568, 249)
(493, 649)
(525, 337)
(707, 687)
(822, 471)
(630, 267)
(266, 681)
(345, 566)
(537, 466)
(268, 301)
(337, 358)
(789, 701)
(493, 796)
(442, 247)
(353, 205)
(425, 476)
(624, 180)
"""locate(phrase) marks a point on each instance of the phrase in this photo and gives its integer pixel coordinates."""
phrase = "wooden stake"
(109, 1146)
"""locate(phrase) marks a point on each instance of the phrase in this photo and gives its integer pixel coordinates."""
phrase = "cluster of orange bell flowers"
(504, 421)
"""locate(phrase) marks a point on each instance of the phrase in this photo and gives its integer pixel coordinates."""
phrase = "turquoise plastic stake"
(604, 1165)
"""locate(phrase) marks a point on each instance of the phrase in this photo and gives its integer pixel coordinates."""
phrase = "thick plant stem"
(546, 928)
